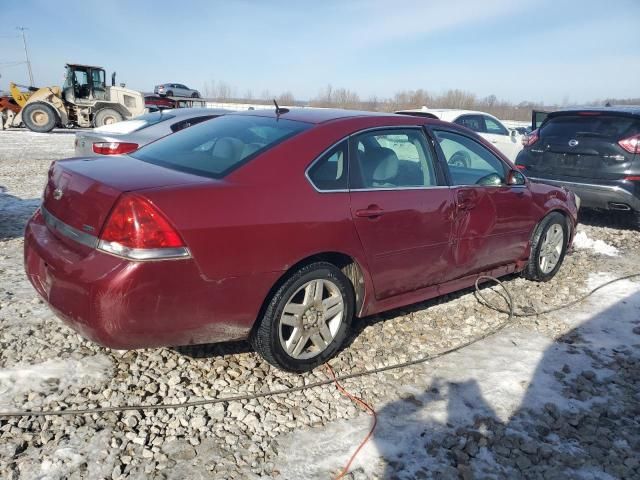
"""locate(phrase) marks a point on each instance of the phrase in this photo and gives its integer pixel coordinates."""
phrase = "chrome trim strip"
(611, 188)
(398, 189)
(68, 231)
(142, 254)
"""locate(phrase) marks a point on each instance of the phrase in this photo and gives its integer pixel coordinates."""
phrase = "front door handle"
(372, 211)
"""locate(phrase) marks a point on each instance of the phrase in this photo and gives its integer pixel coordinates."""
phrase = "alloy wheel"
(311, 319)
(551, 248)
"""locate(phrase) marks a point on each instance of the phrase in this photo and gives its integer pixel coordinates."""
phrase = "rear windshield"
(215, 148)
(590, 126)
(135, 124)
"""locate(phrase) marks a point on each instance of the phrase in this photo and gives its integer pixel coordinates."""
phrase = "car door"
(401, 208)
(493, 220)
(501, 137)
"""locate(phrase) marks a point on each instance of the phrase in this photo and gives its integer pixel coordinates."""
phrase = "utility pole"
(26, 54)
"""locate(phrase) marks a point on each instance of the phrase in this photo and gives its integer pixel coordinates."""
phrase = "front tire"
(548, 248)
(306, 320)
(195, 95)
(107, 116)
(39, 117)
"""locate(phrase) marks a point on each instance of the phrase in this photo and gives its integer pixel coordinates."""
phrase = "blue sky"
(544, 50)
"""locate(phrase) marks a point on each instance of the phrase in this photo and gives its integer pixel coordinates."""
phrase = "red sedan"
(283, 227)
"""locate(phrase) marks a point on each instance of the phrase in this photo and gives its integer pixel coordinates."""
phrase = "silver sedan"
(125, 137)
(176, 90)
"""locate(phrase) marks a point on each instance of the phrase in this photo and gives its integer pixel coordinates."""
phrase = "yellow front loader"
(84, 101)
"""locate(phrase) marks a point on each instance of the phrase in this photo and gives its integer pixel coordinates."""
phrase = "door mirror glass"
(515, 178)
(492, 180)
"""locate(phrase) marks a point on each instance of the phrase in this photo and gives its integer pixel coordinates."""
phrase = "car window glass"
(469, 162)
(214, 149)
(494, 127)
(189, 122)
(392, 159)
(330, 171)
(575, 126)
(472, 122)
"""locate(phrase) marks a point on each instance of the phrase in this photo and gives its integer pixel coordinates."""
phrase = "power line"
(26, 53)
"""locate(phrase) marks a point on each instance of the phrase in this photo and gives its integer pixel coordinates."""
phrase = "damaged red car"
(282, 227)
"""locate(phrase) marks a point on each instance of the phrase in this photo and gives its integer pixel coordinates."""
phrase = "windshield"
(215, 148)
(135, 124)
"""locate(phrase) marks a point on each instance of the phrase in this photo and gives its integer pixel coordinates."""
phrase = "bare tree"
(286, 98)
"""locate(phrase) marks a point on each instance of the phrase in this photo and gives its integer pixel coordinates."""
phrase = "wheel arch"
(350, 266)
(114, 106)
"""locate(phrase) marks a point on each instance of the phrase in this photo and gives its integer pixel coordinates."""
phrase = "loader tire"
(39, 117)
(107, 116)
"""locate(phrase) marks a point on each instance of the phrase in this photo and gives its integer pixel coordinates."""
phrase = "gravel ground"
(43, 364)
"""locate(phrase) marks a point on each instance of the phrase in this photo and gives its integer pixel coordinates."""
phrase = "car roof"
(315, 115)
(192, 112)
(623, 109)
(444, 112)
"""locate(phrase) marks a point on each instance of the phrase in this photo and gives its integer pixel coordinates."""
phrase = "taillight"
(521, 167)
(631, 144)
(136, 229)
(530, 139)
(114, 148)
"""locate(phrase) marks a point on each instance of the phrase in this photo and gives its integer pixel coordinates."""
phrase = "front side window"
(330, 171)
(469, 162)
(472, 122)
(494, 127)
(392, 159)
(214, 149)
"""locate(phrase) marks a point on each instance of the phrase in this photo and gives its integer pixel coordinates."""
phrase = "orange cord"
(364, 405)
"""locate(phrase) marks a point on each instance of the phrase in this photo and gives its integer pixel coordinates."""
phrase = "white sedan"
(485, 125)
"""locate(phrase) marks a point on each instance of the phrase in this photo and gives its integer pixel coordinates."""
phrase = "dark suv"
(593, 151)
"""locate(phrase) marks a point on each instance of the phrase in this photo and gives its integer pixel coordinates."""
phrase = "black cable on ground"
(197, 403)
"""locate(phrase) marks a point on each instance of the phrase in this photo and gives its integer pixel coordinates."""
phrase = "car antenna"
(279, 110)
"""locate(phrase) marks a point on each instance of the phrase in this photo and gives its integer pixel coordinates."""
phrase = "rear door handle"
(371, 211)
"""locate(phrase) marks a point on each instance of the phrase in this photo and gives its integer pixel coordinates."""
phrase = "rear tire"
(39, 117)
(548, 248)
(306, 320)
(107, 116)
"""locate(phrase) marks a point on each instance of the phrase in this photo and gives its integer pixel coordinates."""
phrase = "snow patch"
(52, 375)
(582, 241)
(511, 372)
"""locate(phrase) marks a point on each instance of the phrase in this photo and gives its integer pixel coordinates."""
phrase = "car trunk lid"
(80, 193)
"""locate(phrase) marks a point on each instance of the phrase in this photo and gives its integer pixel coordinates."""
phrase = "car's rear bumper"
(606, 194)
(125, 304)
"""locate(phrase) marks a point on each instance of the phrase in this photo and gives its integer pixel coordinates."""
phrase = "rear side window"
(190, 122)
(606, 126)
(214, 149)
(392, 159)
(472, 122)
(330, 171)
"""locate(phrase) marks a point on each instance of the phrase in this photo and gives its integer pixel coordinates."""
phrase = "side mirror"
(516, 178)
(492, 180)
(514, 134)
